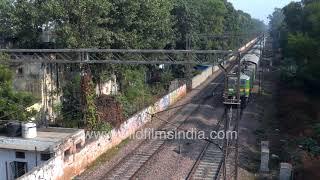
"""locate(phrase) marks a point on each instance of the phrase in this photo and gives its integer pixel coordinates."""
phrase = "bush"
(311, 146)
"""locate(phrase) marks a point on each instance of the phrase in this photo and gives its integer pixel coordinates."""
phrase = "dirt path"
(256, 125)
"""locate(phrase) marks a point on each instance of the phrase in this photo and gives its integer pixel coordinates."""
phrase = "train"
(248, 75)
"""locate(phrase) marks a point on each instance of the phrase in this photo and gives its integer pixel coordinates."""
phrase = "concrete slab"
(45, 140)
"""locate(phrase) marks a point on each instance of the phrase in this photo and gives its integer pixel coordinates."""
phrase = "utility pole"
(229, 103)
(262, 63)
(238, 117)
(189, 66)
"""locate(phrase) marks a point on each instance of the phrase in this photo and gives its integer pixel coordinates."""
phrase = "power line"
(115, 56)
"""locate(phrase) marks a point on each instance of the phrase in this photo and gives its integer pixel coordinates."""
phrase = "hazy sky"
(259, 9)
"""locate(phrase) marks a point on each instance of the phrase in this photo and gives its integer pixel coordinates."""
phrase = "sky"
(259, 9)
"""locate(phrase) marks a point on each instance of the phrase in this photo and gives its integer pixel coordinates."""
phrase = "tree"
(13, 105)
(135, 94)
(77, 23)
(299, 37)
(293, 16)
(20, 23)
(276, 22)
(198, 17)
(212, 17)
(121, 24)
(141, 24)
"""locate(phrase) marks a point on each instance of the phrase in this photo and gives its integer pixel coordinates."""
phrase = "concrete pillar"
(264, 165)
(285, 171)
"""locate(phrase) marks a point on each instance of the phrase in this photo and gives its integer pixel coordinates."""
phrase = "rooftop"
(46, 140)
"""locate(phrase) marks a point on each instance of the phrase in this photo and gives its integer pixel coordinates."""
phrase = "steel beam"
(117, 56)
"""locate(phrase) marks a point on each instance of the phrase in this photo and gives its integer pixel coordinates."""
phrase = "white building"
(20, 155)
(109, 87)
(42, 81)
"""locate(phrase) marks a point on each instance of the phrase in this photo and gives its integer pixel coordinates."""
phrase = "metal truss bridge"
(117, 56)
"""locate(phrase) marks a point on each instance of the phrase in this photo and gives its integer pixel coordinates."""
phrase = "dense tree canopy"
(129, 24)
(119, 24)
(297, 27)
(211, 17)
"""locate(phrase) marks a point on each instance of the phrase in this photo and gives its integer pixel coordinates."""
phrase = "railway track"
(130, 166)
(208, 166)
(209, 162)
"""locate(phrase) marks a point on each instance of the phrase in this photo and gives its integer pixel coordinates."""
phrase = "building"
(20, 155)
(46, 82)
(109, 87)
(42, 81)
(26, 78)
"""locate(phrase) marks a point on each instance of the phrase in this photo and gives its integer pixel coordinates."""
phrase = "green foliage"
(316, 129)
(293, 16)
(12, 104)
(135, 93)
(166, 77)
(88, 23)
(311, 146)
(91, 116)
(133, 83)
(141, 24)
(78, 23)
(288, 70)
(5, 75)
(301, 47)
(211, 17)
(276, 21)
(297, 27)
(19, 20)
(128, 24)
(103, 126)
(71, 106)
(136, 24)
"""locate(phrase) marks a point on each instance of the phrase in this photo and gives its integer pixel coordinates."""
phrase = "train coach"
(250, 64)
(249, 67)
(245, 87)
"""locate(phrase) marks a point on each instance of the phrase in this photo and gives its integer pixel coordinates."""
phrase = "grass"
(107, 156)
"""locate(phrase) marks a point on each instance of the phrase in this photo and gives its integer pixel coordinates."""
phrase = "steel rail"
(166, 123)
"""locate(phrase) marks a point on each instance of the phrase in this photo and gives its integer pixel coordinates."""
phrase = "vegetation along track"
(129, 166)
